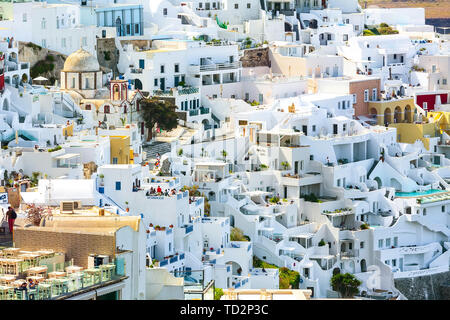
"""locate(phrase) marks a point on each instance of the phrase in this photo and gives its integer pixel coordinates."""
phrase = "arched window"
(43, 24)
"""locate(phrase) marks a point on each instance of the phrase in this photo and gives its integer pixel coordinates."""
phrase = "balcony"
(214, 67)
(350, 254)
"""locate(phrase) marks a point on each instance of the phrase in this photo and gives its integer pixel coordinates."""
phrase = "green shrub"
(322, 243)
(274, 199)
(364, 226)
(218, 293)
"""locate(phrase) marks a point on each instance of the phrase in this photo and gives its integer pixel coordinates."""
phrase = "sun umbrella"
(40, 78)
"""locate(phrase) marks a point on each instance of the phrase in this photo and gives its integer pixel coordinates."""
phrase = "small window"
(380, 243)
(162, 68)
(388, 242)
(118, 184)
(443, 208)
(165, 11)
(177, 68)
(311, 157)
(24, 17)
(444, 81)
(106, 109)
(87, 107)
(354, 98)
(249, 5)
(314, 128)
(236, 6)
(425, 105)
(156, 82)
(361, 245)
(366, 95)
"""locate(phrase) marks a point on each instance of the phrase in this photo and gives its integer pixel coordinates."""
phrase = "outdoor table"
(94, 274)
(73, 269)
(59, 286)
(6, 293)
(75, 281)
(10, 266)
(44, 291)
(56, 274)
(107, 271)
(37, 271)
(29, 259)
(6, 279)
(10, 251)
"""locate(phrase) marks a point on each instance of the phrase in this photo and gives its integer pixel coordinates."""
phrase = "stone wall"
(432, 287)
(43, 62)
(75, 245)
(107, 55)
(256, 58)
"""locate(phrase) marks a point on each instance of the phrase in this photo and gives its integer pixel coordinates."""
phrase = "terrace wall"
(76, 246)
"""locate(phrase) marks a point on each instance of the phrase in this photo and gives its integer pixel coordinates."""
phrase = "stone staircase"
(156, 147)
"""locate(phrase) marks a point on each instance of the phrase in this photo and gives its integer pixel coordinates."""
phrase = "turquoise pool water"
(417, 193)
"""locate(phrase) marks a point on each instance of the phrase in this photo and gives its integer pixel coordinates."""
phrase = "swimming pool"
(418, 193)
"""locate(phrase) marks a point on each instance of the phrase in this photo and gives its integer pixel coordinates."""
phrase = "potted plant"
(151, 224)
(127, 209)
(171, 226)
(163, 228)
(157, 227)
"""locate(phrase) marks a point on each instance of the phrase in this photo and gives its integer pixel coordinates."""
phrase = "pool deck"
(440, 192)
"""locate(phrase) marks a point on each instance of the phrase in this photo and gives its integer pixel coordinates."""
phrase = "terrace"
(44, 275)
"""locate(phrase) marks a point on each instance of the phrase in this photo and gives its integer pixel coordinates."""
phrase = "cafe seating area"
(45, 275)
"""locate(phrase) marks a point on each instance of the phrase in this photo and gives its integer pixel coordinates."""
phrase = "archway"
(397, 115)
(24, 78)
(408, 114)
(212, 196)
(363, 265)
(378, 180)
(119, 26)
(236, 269)
(137, 84)
(395, 184)
(205, 123)
(373, 114)
(387, 116)
(336, 271)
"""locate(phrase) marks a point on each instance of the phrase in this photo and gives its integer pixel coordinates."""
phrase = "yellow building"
(410, 132)
(121, 153)
(442, 118)
(401, 110)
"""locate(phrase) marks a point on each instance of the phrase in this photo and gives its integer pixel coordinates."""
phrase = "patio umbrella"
(40, 78)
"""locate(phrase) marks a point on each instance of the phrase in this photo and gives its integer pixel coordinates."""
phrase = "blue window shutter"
(118, 185)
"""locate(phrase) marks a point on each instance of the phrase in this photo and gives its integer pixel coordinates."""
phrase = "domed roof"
(81, 61)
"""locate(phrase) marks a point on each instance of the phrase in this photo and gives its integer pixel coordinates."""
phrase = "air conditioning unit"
(69, 206)
(95, 260)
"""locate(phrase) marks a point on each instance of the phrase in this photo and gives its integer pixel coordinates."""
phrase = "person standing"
(12, 215)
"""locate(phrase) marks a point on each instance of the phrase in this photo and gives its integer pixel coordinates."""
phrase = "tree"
(161, 112)
(36, 213)
(224, 155)
(346, 284)
(237, 234)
